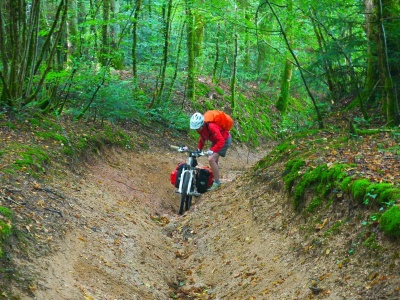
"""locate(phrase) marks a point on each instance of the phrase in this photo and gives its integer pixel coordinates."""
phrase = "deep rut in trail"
(125, 239)
(242, 241)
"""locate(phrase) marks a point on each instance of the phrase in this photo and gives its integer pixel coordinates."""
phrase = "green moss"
(382, 193)
(334, 229)
(209, 106)
(358, 188)
(292, 172)
(10, 125)
(371, 243)
(368, 192)
(323, 179)
(285, 146)
(330, 177)
(346, 184)
(390, 221)
(314, 204)
(5, 227)
(6, 212)
(118, 137)
(31, 158)
(52, 136)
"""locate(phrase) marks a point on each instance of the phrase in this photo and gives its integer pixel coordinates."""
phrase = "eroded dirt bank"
(124, 235)
(125, 240)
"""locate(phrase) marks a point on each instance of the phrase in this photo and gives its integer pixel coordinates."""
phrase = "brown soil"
(122, 238)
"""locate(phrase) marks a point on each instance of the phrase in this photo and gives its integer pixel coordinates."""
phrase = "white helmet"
(196, 121)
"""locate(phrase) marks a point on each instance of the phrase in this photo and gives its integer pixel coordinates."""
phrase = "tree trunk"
(234, 71)
(190, 50)
(135, 38)
(167, 25)
(105, 38)
(389, 98)
(379, 81)
(217, 55)
(284, 95)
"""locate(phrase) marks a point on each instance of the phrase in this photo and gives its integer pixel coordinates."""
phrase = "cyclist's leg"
(212, 160)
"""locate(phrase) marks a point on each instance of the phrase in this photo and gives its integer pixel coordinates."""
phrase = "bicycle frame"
(191, 170)
(187, 183)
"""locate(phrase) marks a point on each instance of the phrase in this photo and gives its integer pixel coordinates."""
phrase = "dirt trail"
(119, 245)
(125, 240)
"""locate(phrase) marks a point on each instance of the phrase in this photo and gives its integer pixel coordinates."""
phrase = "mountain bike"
(187, 178)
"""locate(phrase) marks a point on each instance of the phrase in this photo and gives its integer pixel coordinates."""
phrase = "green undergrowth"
(314, 186)
(40, 140)
(288, 149)
(252, 125)
(5, 228)
(325, 182)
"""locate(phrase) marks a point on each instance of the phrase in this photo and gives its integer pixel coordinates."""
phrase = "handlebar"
(193, 153)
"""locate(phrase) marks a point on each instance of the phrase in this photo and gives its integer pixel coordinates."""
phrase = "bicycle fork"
(191, 173)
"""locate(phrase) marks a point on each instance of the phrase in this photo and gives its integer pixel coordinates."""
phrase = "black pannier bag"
(204, 178)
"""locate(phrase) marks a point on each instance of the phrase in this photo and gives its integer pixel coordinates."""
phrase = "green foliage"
(292, 172)
(251, 124)
(219, 90)
(117, 137)
(284, 149)
(314, 204)
(346, 184)
(297, 119)
(32, 160)
(120, 101)
(53, 136)
(367, 192)
(371, 242)
(334, 229)
(381, 193)
(323, 179)
(358, 188)
(390, 221)
(5, 227)
(202, 89)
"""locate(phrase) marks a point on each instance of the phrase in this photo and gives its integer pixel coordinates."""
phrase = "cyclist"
(220, 142)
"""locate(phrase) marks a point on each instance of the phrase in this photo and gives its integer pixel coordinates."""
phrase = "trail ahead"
(125, 240)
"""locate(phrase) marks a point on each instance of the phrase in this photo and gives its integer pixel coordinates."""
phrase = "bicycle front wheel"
(188, 202)
(184, 195)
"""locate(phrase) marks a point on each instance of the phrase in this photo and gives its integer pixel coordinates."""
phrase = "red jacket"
(215, 134)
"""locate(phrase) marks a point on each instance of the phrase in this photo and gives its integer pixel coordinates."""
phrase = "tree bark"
(105, 39)
(190, 50)
(135, 38)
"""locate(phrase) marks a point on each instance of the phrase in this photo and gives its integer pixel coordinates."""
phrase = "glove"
(209, 152)
(184, 148)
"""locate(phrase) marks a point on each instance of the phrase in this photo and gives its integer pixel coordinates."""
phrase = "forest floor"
(107, 228)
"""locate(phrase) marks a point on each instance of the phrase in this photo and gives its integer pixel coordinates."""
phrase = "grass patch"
(5, 227)
(32, 160)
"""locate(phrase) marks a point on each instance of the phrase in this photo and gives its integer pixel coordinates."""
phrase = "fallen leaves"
(321, 225)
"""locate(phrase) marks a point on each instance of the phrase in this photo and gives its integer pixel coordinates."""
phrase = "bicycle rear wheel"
(184, 196)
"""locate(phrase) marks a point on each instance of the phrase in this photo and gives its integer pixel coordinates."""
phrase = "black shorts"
(228, 142)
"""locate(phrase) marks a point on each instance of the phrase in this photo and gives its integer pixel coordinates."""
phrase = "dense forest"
(93, 91)
(116, 59)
